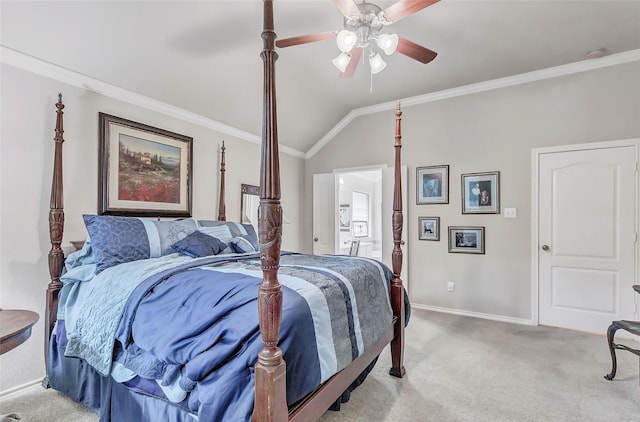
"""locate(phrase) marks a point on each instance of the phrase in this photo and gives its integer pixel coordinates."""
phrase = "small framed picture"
(345, 217)
(432, 185)
(481, 193)
(429, 228)
(466, 239)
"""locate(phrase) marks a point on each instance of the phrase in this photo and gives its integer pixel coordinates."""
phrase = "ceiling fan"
(363, 23)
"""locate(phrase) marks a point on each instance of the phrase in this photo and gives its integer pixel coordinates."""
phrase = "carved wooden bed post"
(270, 370)
(397, 291)
(56, 229)
(222, 209)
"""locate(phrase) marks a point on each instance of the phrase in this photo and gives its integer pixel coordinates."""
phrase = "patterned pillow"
(198, 244)
(115, 240)
(236, 229)
(219, 232)
(241, 244)
(169, 232)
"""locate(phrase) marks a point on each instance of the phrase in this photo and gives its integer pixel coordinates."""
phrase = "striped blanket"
(195, 327)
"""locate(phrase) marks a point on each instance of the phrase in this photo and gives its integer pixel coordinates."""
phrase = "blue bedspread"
(195, 326)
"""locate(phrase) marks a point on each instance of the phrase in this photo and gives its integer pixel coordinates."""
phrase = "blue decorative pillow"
(198, 244)
(235, 229)
(241, 244)
(115, 240)
(251, 236)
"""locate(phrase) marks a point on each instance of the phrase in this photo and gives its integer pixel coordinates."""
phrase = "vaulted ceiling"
(204, 56)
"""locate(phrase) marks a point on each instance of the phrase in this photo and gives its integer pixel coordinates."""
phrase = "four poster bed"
(226, 329)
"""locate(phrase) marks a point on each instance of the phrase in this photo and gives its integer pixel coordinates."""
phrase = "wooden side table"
(15, 327)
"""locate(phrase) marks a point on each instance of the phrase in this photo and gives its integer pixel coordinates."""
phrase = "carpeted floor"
(460, 369)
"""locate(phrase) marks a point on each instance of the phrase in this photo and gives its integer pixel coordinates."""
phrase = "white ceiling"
(204, 56)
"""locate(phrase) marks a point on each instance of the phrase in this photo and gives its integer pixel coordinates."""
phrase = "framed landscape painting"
(143, 170)
(432, 185)
(481, 193)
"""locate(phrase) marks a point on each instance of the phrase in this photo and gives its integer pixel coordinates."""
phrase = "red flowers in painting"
(147, 178)
(161, 191)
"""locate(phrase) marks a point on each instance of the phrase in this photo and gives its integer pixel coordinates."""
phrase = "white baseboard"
(492, 317)
(31, 385)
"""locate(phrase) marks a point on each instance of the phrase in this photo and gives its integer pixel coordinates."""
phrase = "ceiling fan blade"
(415, 51)
(351, 67)
(347, 7)
(304, 39)
(404, 8)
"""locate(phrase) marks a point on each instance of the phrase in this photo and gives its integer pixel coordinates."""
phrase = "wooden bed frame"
(270, 369)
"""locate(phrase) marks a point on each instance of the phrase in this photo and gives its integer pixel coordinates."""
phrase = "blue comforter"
(194, 327)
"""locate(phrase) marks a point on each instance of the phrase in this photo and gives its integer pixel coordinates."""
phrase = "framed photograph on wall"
(432, 185)
(143, 170)
(481, 193)
(466, 239)
(345, 217)
(429, 228)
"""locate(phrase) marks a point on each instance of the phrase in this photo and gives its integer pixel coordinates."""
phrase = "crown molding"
(43, 68)
(523, 78)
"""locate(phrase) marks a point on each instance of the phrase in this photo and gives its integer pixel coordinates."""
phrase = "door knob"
(545, 247)
(315, 239)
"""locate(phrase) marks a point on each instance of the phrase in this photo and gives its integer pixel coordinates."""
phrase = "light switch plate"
(509, 213)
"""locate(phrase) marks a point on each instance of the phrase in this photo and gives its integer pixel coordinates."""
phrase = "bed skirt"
(135, 400)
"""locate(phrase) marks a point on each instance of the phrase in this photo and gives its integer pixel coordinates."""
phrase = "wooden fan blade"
(304, 39)
(415, 51)
(351, 67)
(347, 7)
(404, 8)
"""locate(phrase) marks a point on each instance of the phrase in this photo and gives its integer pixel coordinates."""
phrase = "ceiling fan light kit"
(388, 43)
(342, 61)
(363, 23)
(346, 40)
(376, 63)
(362, 30)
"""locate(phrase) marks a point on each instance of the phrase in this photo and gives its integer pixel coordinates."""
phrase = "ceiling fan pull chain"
(370, 73)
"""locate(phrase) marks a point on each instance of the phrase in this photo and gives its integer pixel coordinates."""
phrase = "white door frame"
(536, 153)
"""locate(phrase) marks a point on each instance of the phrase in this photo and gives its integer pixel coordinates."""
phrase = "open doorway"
(359, 202)
(329, 193)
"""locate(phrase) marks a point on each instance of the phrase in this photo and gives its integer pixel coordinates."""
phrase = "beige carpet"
(461, 369)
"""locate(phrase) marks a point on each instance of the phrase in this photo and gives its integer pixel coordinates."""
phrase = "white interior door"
(587, 237)
(387, 212)
(324, 213)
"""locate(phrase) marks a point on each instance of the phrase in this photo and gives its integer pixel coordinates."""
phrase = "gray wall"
(486, 131)
(28, 122)
(493, 130)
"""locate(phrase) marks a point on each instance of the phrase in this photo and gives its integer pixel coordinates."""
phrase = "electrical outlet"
(451, 286)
